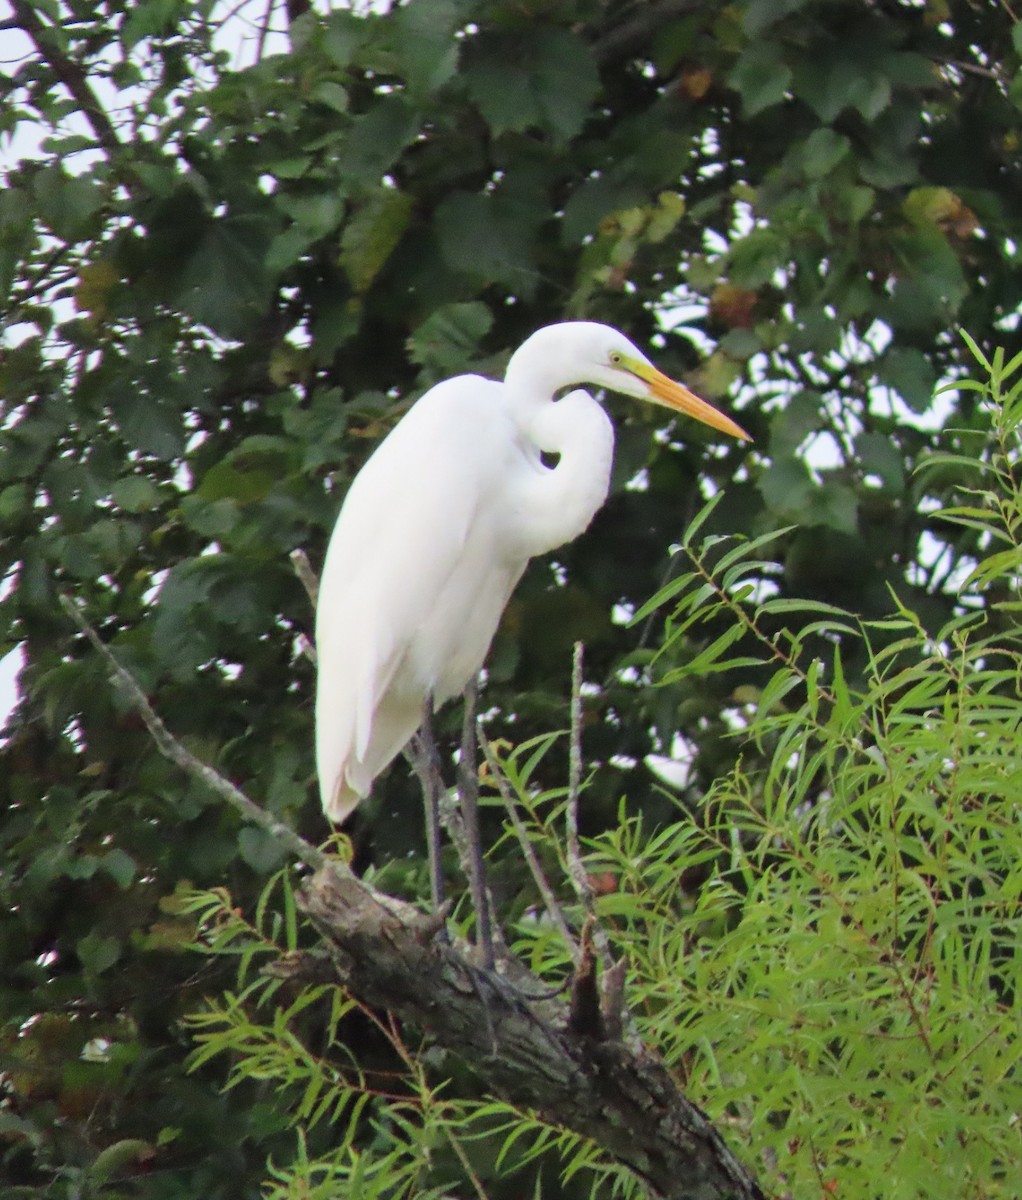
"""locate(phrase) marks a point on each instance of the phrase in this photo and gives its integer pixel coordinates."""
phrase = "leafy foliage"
(222, 283)
(827, 949)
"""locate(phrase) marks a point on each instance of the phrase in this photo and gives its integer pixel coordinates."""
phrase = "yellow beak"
(678, 398)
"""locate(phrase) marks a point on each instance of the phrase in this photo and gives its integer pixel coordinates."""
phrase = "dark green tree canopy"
(222, 285)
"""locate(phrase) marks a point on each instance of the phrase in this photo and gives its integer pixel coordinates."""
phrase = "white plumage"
(438, 526)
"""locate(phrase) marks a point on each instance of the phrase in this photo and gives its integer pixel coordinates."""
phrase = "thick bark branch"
(521, 1043)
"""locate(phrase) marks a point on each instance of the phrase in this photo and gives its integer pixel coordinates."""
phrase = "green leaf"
(450, 337)
(334, 96)
(760, 77)
(317, 214)
(879, 456)
(135, 493)
(376, 138)
(753, 259)
(564, 81)
(800, 418)
(67, 203)
(842, 79)
(98, 953)
(761, 14)
(224, 283)
(118, 1158)
(910, 374)
(120, 866)
(822, 151)
(425, 45)
(552, 85)
(786, 487)
(260, 850)
(225, 481)
(372, 234)
(834, 505)
(488, 236)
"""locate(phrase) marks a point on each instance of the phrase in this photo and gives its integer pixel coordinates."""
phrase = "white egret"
(439, 524)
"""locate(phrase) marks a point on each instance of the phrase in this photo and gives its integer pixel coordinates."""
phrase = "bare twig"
(171, 748)
(576, 868)
(303, 569)
(577, 872)
(550, 901)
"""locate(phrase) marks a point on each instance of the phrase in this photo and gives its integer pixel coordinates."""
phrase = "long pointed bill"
(679, 399)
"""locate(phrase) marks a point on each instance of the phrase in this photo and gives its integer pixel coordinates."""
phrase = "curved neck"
(555, 504)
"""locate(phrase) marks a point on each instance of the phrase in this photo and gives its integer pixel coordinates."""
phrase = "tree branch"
(171, 748)
(528, 1046)
(71, 74)
(521, 1044)
(632, 35)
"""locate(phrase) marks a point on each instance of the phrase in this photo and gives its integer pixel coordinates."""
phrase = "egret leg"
(468, 790)
(431, 781)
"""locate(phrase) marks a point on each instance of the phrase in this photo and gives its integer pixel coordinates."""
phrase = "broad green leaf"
(822, 151)
(761, 77)
(551, 84)
(755, 258)
(911, 375)
(135, 493)
(879, 456)
(98, 953)
(425, 45)
(447, 341)
(371, 234)
(375, 139)
(786, 487)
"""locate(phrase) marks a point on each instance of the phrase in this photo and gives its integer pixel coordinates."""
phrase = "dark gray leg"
(468, 789)
(428, 770)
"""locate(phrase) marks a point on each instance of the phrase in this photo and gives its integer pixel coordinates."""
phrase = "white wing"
(416, 576)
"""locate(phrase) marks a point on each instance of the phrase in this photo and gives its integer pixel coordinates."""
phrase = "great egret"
(439, 524)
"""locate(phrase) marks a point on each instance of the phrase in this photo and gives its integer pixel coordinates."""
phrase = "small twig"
(171, 748)
(70, 73)
(550, 901)
(307, 649)
(577, 872)
(307, 576)
(612, 1001)
(576, 868)
(586, 1018)
(303, 569)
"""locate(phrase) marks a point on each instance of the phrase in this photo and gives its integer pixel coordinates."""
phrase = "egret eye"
(616, 358)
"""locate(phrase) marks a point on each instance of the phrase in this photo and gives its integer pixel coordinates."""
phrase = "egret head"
(588, 352)
(629, 371)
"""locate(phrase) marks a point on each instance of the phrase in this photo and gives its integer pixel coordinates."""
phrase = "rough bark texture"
(525, 1048)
